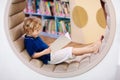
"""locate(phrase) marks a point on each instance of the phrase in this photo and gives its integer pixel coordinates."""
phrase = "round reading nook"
(14, 31)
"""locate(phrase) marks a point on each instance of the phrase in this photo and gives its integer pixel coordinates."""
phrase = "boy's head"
(32, 26)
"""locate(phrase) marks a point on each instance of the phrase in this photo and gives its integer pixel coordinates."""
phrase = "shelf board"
(48, 16)
(38, 14)
(60, 17)
(49, 35)
(30, 13)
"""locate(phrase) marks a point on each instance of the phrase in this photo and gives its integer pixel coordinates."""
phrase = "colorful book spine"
(42, 6)
(53, 28)
(37, 3)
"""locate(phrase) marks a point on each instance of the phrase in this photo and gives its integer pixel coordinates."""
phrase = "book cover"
(61, 42)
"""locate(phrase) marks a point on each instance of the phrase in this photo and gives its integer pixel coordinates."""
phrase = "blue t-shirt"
(33, 45)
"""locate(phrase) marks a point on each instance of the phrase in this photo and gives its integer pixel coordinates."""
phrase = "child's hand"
(49, 44)
(48, 50)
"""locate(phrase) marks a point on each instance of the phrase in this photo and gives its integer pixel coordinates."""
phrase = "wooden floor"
(49, 40)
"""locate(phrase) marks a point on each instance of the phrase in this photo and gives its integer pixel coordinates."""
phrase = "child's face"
(36, 32)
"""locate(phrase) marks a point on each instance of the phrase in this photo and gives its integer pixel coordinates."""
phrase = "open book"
(61, 42)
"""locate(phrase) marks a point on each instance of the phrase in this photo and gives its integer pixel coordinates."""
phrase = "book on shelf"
(47, 8)
(59, 29)
(52, 27)
(34, 6)
(49, 26)
(59, 10)
(52, 8)
(68, 27)
(45, 25)
(60, 42)
(37, 3)
(41, 5)
(63, 26)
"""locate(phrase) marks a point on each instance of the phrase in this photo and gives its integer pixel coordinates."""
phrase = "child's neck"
(31, 35)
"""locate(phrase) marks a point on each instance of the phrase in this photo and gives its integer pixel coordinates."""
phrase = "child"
(38, 49)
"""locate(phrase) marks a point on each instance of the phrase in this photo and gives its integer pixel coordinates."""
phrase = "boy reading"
(38, 49)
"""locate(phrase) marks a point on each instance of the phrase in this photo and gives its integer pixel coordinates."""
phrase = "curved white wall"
(11, 68)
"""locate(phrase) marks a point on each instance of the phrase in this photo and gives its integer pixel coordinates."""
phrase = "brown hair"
(31, 24)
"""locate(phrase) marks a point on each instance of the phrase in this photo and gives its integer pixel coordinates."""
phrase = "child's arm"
(39, 54)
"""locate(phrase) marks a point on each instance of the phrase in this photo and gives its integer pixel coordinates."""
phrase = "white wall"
(11, 68)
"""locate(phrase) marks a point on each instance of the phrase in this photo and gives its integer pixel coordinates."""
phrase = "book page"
(61, 42)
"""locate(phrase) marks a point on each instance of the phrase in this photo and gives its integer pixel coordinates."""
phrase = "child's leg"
(93, 48)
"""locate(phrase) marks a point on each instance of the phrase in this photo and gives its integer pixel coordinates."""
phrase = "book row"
(48, 7)
(59, 28)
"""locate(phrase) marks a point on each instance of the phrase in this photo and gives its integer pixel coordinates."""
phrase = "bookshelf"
(55, 16)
